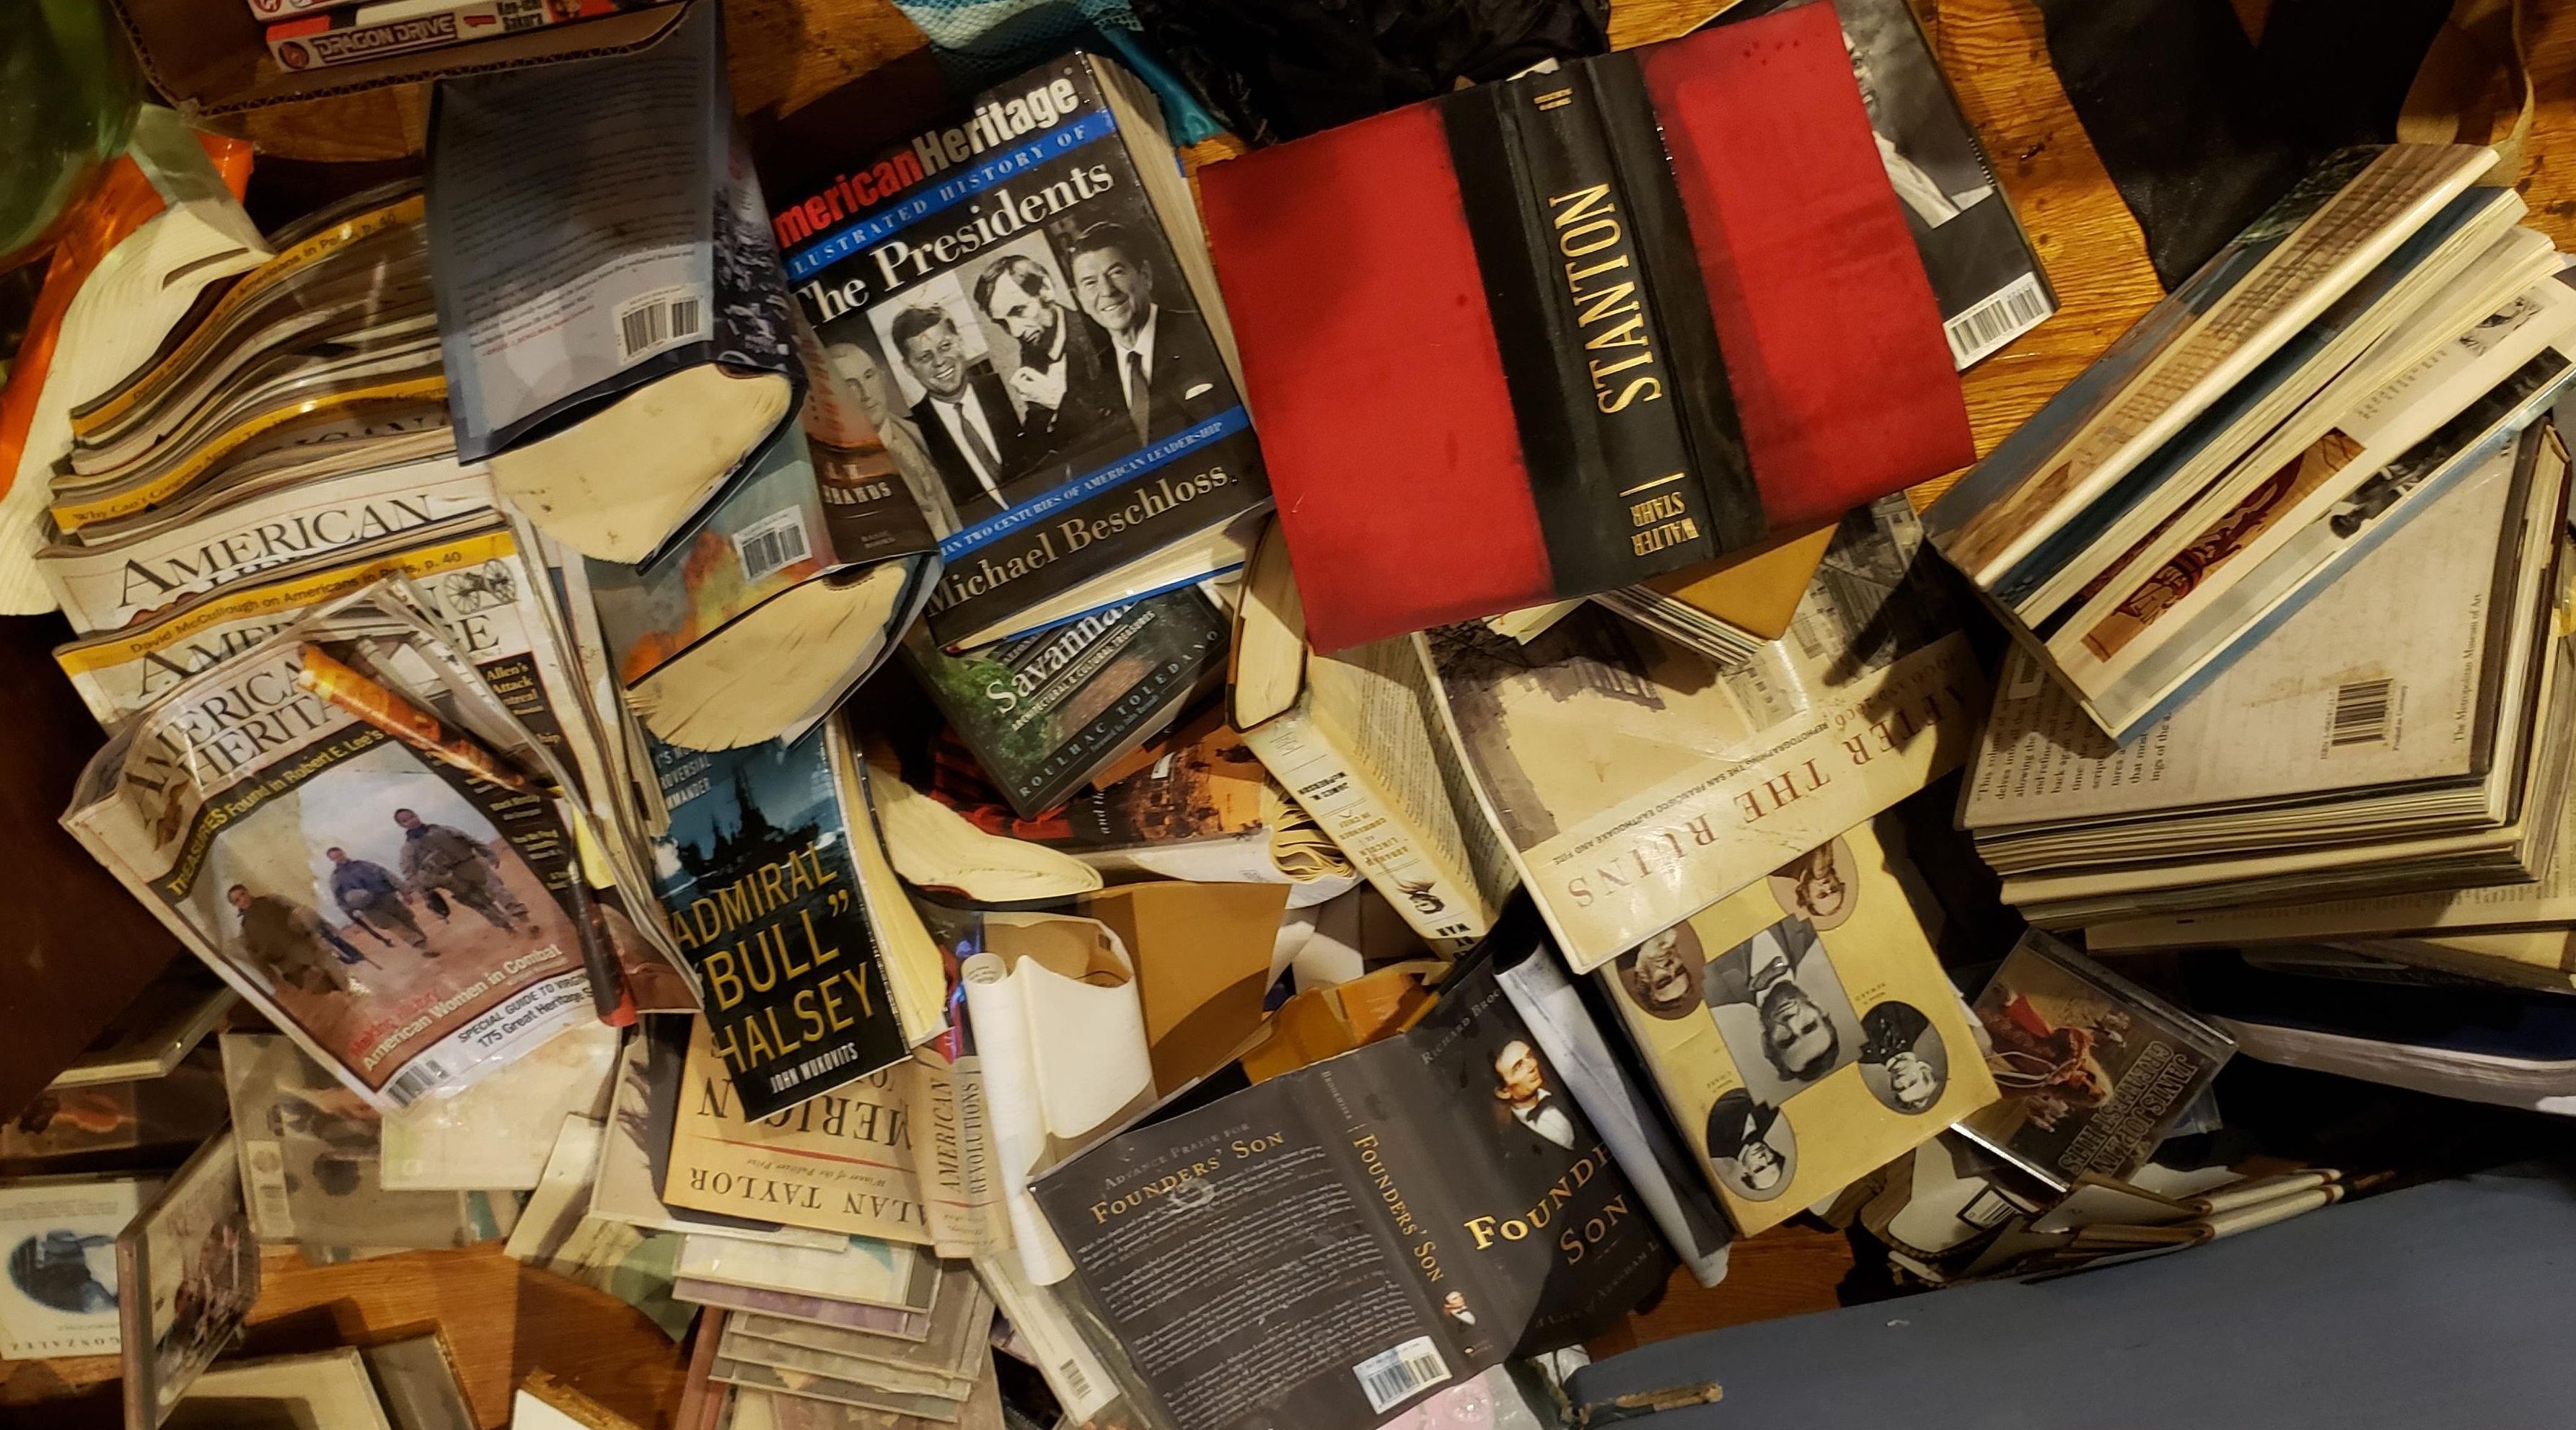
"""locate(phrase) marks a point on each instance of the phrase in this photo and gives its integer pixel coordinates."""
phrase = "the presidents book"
(1322, 1249)
(1553, 336)
(1023, 297)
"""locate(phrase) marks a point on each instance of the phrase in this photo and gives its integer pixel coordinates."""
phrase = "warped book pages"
(815, 970)
(1024, 299)
(187, 1268)
(2093, 1068)
(2311, 739)
(1349, 737)
(1801, 1030)
(1406, 1214)
(252, 814)
(1046, 713)
(1972, 245)
(108, 585)
(618, 348)
(1601, 319)
(1729, 609)
(635, 1145)
(1636, 782)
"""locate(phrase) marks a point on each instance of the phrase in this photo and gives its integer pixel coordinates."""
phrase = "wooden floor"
(506, 1321)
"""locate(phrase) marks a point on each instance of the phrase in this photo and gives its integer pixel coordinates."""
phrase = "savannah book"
(1802, 1031)
(1600, 320)
(2092, 1067)
(1023, 296)
(1406, 1215)
(1635, 782)
(1045, 713)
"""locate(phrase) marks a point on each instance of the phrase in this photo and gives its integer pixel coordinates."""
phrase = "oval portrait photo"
(1663, 974)
(1821, 886)
(1902, 1059)
(1751, 1147)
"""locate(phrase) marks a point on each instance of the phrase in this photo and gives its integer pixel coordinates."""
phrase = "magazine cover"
(59, 1234)
(1635, 782)
(192, 1268)
(2092, 1068)
(1038, 341)
(312, 1162)
(412, 923)
(1802, 1031)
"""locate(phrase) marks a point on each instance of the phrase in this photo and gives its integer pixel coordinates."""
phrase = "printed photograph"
(370, 892)
(1903, 1062)
(1780, 1006)
(1820, 886)
(1533, 1108)
(1751, 1146)
(2059, 1051)
(1664, 974)
(66, 1270)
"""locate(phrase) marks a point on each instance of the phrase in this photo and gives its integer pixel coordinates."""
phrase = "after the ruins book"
(1322, 1249)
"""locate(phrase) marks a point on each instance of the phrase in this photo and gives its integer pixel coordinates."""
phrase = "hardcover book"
(1044, 713)
(2092, 1067)
(1602, 320)
(617, 347)
(1802, 1031)
(1636, 782)
(1407, 1215)
(1024, 299)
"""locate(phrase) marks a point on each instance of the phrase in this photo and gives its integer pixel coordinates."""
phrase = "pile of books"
(760, 738)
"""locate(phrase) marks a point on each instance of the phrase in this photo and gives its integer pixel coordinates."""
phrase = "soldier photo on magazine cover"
(374, 892)
(1780, 1005)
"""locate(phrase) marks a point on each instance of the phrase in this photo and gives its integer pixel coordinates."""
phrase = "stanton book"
(1550, 337)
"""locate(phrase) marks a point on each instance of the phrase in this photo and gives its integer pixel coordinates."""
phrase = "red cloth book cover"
(1425, 469)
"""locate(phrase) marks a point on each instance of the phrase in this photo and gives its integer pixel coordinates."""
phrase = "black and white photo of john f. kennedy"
(1048, 357)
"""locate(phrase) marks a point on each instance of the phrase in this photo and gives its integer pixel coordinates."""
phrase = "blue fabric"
(984, 42)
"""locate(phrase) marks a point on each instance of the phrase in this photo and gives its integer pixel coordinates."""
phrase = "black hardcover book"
(1044, 713)
(758, 875)
(1321, 1250)
(614, 325)
(1983, 269)
(1024, 298)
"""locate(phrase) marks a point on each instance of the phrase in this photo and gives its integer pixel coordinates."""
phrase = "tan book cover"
(842, 1162)
(1755, 590)
(1802, 1031)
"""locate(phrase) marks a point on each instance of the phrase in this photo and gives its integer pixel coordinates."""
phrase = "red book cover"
(1402, 468)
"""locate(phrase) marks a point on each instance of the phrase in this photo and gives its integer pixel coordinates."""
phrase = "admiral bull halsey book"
(1024, 299)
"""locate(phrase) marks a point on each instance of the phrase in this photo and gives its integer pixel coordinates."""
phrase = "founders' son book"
(1555, 336)
(1024, 296)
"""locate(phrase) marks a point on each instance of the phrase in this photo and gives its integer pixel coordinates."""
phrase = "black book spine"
(1558, 197)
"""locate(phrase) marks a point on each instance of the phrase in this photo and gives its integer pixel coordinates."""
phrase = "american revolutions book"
(1554, 336)
(1403, 1216)
(1023, 298)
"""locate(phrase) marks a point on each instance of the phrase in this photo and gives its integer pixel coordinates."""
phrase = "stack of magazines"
(2368, 343)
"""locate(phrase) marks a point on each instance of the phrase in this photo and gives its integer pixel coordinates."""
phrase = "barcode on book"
(1074, 1379)
(770, 544)
(1390, 1376)
(2010, 312)
(2361, 711)
(650, 322)
(416, 1080)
